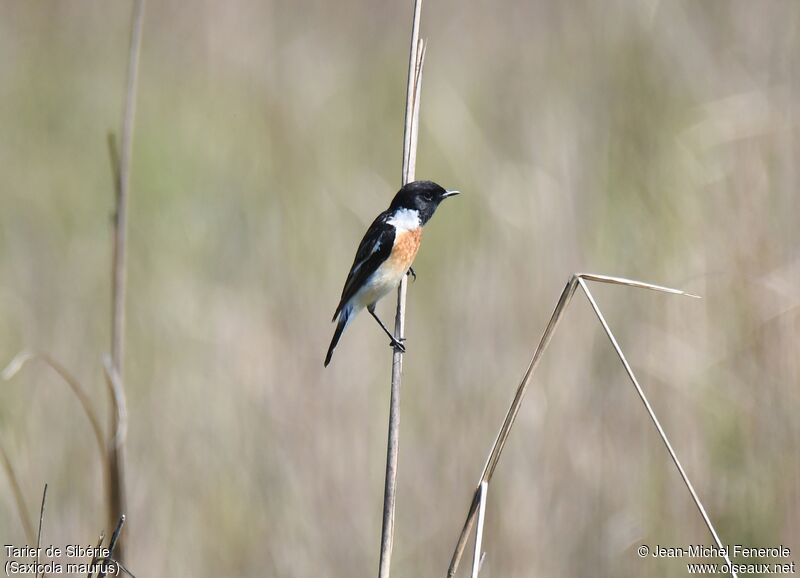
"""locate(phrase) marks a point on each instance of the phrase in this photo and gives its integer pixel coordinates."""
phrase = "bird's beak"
(451, 194)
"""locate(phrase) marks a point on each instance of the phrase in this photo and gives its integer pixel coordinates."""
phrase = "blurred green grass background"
(655, 140)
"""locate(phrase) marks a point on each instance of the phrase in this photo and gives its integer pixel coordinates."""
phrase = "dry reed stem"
(116, 458)
(122, 186)
(415, 63)
(508, 422)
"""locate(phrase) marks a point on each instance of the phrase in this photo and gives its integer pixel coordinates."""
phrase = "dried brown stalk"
(116, 449)
(415, 64)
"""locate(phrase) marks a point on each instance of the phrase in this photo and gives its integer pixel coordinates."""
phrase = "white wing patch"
(405, 220)
(374, 249)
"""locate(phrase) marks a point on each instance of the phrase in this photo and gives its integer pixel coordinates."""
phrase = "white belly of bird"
(382, 282)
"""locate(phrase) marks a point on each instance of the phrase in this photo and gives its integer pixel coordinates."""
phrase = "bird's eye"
(428, 196)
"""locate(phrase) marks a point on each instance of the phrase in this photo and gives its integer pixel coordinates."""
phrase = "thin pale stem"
(633, 283)
(412, 97)
(654, 419)
(116, 457)
(477, 557)
(122, 186)
(415, 64)
(39, 532)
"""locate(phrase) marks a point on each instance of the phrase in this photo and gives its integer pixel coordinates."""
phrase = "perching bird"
(386, 253)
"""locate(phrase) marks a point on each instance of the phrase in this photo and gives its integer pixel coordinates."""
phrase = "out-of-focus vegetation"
(654, 140)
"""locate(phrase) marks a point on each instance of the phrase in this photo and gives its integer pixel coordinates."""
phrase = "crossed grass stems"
(477, 509)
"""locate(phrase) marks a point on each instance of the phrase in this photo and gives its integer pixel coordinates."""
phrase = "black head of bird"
(422, 197)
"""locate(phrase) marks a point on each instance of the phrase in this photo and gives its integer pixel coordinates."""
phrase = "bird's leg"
(394, 342)
(411, 272)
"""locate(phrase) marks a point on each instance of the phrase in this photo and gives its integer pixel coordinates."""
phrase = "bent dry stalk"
(479, 498)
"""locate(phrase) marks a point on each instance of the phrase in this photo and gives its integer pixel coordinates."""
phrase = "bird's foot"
(397, 344)
(412, 273)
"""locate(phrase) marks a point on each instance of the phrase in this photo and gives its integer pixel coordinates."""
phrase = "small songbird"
(386, 253)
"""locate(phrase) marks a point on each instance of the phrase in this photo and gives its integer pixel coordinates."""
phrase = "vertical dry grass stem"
(415, 63)
(19, 498)
(39, 532)
(502, 436)
(121, 166)
(121, 171)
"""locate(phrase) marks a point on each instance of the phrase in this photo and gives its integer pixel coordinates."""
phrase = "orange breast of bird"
(405, 248)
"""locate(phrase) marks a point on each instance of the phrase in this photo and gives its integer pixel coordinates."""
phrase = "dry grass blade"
(112, 544)
(508, 421)
(477, 555)
(415, 65)
(654, 419)
(39, 533)
(632, 283)
(21, 359)
(22, 509)
(94, 558)
(124, 569)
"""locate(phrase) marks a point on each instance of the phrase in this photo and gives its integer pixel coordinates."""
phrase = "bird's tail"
(344, 319)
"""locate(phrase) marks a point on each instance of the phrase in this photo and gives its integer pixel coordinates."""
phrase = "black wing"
(375, 248)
